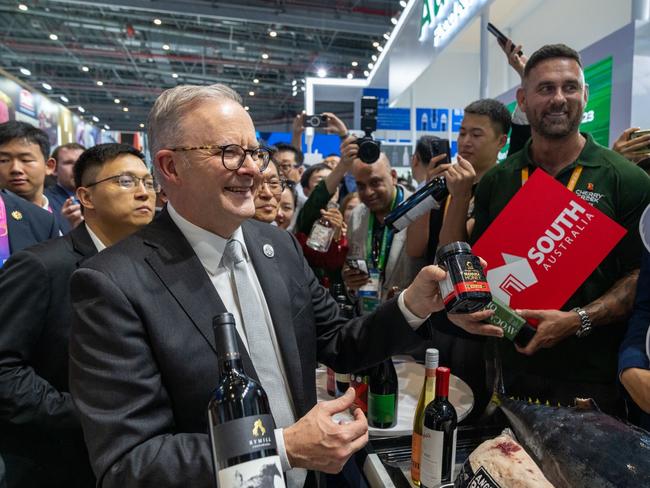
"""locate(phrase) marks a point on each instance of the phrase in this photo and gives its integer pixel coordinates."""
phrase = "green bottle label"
(506, 318)
(381, 408)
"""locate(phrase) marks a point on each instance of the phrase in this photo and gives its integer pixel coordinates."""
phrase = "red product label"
(466, 287)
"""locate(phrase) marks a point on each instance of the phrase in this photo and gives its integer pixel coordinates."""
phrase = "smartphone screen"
(441, 146)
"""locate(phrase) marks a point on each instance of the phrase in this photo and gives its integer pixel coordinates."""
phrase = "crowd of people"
(107, 358)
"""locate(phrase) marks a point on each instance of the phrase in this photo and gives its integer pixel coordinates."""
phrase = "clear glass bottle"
(322, 232)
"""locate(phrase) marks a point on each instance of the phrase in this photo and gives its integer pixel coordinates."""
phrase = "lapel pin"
(268, 250)
(17, 215)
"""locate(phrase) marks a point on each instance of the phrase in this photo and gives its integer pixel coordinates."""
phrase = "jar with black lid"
(465, 289)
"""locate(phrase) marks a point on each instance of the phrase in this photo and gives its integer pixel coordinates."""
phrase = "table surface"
(410, 376)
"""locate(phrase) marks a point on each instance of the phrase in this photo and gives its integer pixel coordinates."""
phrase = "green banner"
(596, 118)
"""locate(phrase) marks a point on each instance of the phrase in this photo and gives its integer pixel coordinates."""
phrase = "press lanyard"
(379, 262)
(575, 176)
(4, 234)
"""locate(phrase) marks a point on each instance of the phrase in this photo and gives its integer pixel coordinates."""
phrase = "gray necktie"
(260, 346)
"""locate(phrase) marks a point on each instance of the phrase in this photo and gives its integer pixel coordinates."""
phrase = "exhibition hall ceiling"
(113, 58)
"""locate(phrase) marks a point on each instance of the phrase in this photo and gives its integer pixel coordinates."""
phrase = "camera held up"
(369, 149)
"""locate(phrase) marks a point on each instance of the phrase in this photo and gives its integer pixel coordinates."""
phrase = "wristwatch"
(585, 323)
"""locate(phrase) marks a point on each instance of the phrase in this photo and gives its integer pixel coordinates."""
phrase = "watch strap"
(585, 323)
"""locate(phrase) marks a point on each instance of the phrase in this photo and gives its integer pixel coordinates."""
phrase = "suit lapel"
(18, 226)
(83, 245)
(178, 267)
(277, 299)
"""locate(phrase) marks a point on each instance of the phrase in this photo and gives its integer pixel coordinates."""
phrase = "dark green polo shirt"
(620, 190)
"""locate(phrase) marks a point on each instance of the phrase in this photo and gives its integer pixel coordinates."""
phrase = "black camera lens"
(313, 121)
(369, 149)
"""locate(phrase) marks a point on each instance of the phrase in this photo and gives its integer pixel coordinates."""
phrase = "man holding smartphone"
(369, 240)
(483, 133)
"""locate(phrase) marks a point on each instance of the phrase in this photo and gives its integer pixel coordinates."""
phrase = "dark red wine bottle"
(240, 424)
(439, 436)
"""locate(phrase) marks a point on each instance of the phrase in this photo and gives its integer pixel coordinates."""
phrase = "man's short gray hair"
(172, 104)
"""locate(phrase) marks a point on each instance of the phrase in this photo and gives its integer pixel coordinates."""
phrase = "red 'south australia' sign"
(544, 244)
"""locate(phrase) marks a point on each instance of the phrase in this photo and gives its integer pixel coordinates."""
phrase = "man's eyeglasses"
(275, 185)
(233, 155)
(129, 182)
(286, 167)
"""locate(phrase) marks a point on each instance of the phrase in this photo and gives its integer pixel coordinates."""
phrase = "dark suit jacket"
(38, 420)
(33, 225)
(634, 351)
(57, 195)
(143, 361)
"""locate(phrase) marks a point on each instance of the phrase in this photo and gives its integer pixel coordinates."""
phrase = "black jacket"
(38, 422)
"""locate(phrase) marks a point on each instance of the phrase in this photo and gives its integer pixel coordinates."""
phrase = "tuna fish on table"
(580, 446)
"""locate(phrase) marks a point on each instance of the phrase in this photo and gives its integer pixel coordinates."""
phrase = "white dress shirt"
(96, 240)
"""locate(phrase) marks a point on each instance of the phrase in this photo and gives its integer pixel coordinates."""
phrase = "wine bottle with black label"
(240, 424)
(439, 436)
(430, 197)
(382, 395)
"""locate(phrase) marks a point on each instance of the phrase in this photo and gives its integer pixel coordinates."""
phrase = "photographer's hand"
(633, 149)
(349, 151)
(518, 62)
(434, 169)
(335, 125)
(297, 129)
(460, 179)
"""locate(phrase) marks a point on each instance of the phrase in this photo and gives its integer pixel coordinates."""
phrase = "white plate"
(410, 376)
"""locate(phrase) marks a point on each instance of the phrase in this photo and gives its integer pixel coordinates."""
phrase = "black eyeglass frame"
(264, 151)
(137, 179)
(283, 185)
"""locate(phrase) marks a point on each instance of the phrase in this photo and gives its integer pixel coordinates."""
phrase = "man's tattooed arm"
(616, 304)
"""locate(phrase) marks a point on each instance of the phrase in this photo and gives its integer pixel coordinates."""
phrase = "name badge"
(370, 292)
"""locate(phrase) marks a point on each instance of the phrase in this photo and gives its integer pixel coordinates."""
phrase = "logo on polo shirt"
(591, 197)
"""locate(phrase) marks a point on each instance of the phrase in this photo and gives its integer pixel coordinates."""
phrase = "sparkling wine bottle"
(426, 396)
